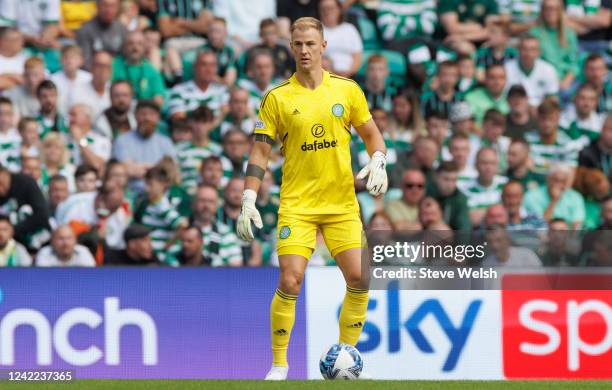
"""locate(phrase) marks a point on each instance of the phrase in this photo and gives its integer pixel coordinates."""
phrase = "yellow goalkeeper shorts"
(297, 234)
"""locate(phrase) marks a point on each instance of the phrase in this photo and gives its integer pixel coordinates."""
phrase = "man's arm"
(172, 27)
(258, 161)
(372, 137)
(200, 24)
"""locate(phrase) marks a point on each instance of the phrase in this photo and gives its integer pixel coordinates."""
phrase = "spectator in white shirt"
(12, 58)
(96, 93)
(537, 76)
(24, 96)
(64, 251)
(71, 76)
(344, 45)
(85, 145)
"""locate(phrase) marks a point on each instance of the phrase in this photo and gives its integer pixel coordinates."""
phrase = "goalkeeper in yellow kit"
(311, 113)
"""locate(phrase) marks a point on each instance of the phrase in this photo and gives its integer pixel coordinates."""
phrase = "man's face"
(518, 104)
(33, 76)
(448, 77)
(548, 124)
(121, 97)
(517, 155)
(217, 32)
(459, 148)
(414, 187)
(205, 203)
(269, 35)
(113, 199)
(595, 72)
(212, 174)
(263, 69)
(205, 68)
(191, 240)
(63, 242)
(79, 117)
(512, 197)
(108, 10)
(492, 130)
(72, 61)
(31, 167)
(7, 116)
(58, 192)
(147, 119)
(86, 182)
(239, 103)
(117, 175)
(437, 128)
(557, 180)
(496, 215)
(446, 182)
(236, 146)
(307, 46)
(142, 247)
(427, 153)
(5, 183)
(586, 102)
(102, 67)
(134, 47)
(487, 165)
(12, 43)
(529, 51)
(233, 192)
(401, 108)
(557, 234)
(48, 100)
(377, 72)
(6, 233)
(495, 80)
(429, 212)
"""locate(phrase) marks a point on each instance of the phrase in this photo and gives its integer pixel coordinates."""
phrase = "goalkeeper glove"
(248, 213)
(377, 180)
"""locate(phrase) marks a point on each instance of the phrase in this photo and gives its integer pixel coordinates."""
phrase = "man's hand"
(248, 213)
(377, 180)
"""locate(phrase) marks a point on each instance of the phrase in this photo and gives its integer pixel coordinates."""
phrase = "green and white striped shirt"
(398, 19)
(576, 127)
(221, 245)
(162, 219)
(255, 94)
(190, 159)
(520, 11)
(480, 196)
(187, 96)
(10, 150)
(563, 150)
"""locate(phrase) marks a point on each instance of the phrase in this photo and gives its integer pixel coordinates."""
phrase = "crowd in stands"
(125, 125)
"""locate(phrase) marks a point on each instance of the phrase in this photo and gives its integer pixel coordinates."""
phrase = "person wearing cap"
(520, 119)
(462, 123)
(491, 95)
(138, 249)
(141, 148)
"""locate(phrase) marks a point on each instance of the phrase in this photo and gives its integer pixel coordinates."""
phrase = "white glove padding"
(248, 213)
(377, 180)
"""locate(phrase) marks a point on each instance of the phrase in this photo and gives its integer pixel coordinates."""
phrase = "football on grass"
(341, 361)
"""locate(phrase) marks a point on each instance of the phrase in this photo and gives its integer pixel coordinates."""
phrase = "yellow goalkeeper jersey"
(314, 128)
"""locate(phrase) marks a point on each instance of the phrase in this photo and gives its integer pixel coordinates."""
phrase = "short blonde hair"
(55, 138)
(306, 23)
(34, 62)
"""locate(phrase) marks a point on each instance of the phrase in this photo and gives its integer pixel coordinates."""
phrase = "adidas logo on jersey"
(280, 332)
(355, 325)
(296, 112)
(317, 145)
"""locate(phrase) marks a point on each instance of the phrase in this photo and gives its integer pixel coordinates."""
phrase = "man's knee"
(291, 281)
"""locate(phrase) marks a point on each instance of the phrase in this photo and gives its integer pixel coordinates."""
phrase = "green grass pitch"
(307, 385)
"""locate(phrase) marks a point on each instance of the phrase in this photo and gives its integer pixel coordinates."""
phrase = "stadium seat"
(397, 65)
(369, 34)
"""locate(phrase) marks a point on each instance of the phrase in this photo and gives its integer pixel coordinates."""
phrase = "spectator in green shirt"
(556, 200)
(444, 189)
(558, 42)
(132, 66)
(491, 95)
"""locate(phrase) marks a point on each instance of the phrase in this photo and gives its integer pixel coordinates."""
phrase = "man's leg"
(355, 305)
(282, 309)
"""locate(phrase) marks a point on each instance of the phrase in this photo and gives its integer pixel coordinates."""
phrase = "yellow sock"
(352, 315)
(282, 317)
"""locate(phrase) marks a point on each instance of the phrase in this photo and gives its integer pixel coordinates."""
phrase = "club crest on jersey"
(259, 124)
(285, 232)
(338, 110)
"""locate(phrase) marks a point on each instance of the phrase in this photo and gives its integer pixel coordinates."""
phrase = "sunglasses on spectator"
(414, 185)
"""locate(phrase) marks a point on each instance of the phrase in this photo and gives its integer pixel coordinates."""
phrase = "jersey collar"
(324, 81)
